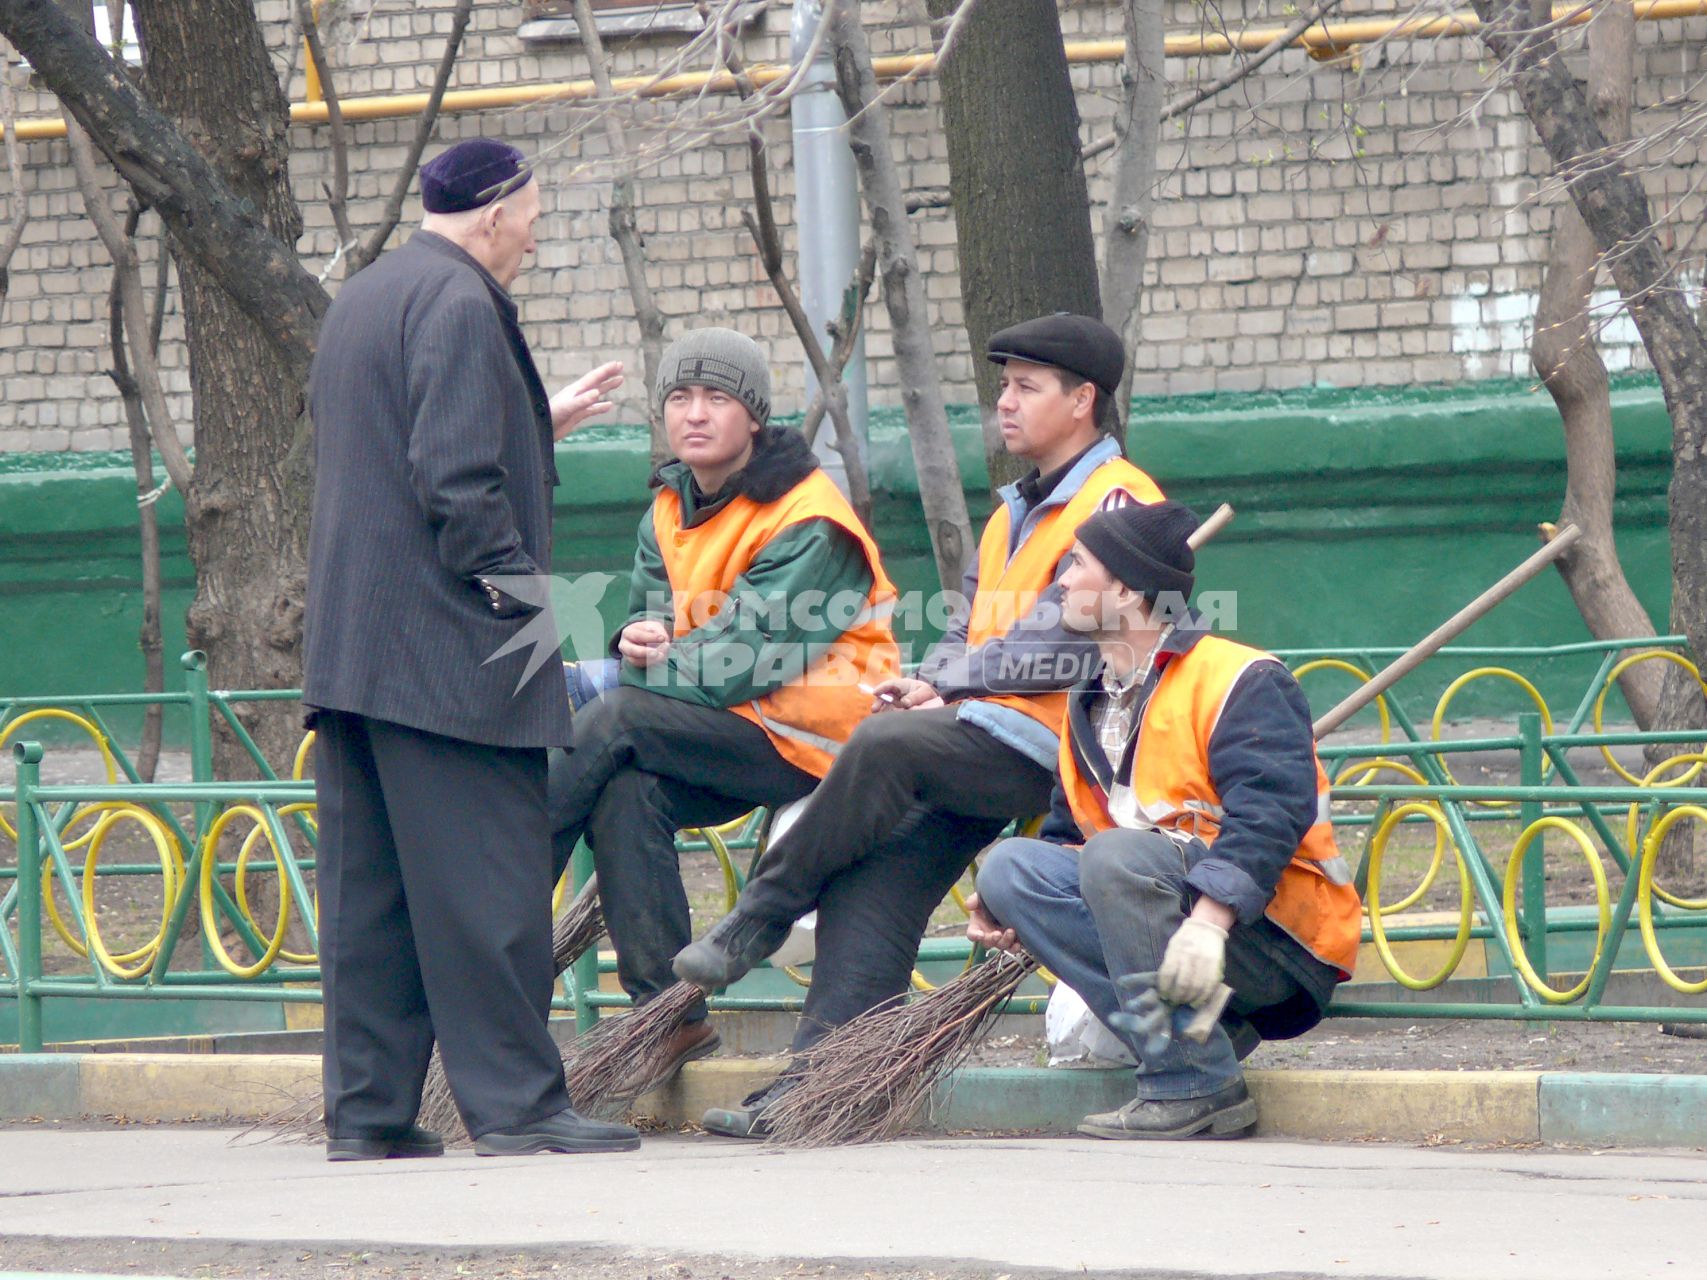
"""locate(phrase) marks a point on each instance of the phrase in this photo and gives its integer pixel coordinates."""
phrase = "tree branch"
(1126, 219)
(1201, 94)
(338, 194)
(369, 249)
(258, 270)
(761, 223)
(127, 276)
(625, 231)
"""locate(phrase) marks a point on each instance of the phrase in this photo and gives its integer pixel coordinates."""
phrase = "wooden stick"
(1447, 631)
(1218, 520)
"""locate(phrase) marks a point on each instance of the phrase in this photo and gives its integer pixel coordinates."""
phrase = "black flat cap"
(471, 175)
(1077, 344)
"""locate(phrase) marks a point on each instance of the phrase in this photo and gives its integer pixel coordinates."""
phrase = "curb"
(1578, 1108)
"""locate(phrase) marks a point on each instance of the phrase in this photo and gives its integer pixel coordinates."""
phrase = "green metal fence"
(212, 840)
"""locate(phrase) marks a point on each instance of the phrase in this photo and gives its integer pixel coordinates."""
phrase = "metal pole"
(826, 218)
(1534, 915)
(27, 756)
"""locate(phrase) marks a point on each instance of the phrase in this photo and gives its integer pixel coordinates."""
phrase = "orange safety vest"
(1314, 901)
(809, 718)
(1008, 588)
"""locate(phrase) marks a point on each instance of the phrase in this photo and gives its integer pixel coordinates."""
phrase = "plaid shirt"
(1117, 714)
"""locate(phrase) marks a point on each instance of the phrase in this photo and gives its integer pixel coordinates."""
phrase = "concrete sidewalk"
(1211, 1208)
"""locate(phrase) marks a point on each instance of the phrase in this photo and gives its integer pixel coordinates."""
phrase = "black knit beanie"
(1144, 546)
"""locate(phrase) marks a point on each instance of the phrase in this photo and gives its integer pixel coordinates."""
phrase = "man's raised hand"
(584, 398)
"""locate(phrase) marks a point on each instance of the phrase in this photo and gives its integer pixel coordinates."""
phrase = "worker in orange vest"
(965, 745)
(1189, 773)
(758, 607)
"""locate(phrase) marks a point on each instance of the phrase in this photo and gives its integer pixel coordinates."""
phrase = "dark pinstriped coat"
(432, 466)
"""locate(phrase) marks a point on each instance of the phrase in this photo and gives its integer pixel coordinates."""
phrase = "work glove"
(1193, 963)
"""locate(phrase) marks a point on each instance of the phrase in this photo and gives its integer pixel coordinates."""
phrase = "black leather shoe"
(748, 1119)
(735, 944)
(1227, 1113)
(413, 1143)
(566, 1131)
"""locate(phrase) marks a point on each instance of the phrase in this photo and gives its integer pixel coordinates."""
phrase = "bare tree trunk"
(149, 638)
(1021, 211)
(1615, 208)
(1568, 361)
(625, 231)
(17, 206)
(247, 517)
(1126, 221)
(940, 490)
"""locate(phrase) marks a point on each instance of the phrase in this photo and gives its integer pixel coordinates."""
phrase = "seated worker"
(737, 684)
(1190, 772)
(965, 746)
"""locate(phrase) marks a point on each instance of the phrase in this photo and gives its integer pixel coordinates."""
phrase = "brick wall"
(1319, 224)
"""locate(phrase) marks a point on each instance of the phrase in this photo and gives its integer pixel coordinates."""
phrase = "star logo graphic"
(568, 610)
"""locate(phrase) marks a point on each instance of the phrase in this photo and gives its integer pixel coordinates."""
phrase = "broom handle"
(1219, 519)
(1425, 648)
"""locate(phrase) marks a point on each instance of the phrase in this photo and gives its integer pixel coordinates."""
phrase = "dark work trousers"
(644, 765)
(435, 921)
(912, 796)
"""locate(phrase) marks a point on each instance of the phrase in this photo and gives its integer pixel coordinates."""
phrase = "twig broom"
(867, 1079)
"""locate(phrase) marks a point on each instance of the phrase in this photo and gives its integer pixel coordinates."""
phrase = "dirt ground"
(196, 1261)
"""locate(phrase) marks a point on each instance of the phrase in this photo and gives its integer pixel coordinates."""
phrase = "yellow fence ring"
(1487, 673)
(1602, 898)
(1350, 668)
(1647, 655)
(1442, 840)
(1377, 926)
(1645, 897)
(299, 765)
(306, 809)
(70, 717)
(1632, 820)
(210, 920)
(130, 964)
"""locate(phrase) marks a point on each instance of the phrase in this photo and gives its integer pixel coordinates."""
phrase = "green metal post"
(1534, 917)
(201, 770)
(27, 756)
(586, 966)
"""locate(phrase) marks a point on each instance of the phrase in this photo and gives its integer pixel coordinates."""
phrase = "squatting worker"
(432, 499)
(1191, 777)
(757, 608)
(966, 745)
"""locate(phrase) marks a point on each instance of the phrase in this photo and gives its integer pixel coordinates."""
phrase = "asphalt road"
(704, 1207)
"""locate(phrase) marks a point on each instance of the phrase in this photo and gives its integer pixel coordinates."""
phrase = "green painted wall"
(1364, 519)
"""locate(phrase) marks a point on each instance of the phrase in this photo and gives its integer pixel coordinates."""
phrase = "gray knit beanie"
(723, 359)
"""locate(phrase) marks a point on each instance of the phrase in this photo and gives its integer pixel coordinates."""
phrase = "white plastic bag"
(1076, 1038)
(801, 945)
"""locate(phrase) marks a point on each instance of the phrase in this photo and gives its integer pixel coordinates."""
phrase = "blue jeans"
(1108, 910)
(587, 680)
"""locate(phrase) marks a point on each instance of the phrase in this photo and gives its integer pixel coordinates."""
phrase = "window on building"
(545, 21)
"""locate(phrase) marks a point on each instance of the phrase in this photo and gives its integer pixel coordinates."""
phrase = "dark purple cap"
(472, 174)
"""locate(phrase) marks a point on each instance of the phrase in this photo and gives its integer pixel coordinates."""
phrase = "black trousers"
(434, 884)
(913, 795)
(642, 766)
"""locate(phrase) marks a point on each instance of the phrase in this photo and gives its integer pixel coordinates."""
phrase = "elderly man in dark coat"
(432, 496)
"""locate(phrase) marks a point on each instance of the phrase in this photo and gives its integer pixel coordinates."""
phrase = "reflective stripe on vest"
(808, 718)
(1314, 901)
(1008, 588)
